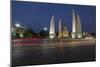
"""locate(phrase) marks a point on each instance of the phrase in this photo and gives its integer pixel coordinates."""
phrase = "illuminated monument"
(65, 32)
(59, 29)
(76, 26)
(62, 33)
(52, 28)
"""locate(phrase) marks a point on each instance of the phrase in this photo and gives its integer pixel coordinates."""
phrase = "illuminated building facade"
(18, 31)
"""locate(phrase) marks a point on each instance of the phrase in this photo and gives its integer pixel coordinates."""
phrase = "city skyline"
(38, 15)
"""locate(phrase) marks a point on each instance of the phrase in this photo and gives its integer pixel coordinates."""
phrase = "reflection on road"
(45, 51)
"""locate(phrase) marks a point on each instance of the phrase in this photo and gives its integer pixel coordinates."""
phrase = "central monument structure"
(62, 33)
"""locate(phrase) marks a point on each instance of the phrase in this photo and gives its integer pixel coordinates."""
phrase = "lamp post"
(20, 34)
(45, 28)
(45, 32)
(17, 25)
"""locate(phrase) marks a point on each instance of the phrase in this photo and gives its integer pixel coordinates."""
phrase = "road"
(46, 51)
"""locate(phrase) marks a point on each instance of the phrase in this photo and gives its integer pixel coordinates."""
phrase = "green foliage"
(43, 34)
(29, 33)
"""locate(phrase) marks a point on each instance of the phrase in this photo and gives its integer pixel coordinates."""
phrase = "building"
(17, 32)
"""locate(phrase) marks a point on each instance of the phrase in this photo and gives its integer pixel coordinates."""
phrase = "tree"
(29, 33)
(43, 34)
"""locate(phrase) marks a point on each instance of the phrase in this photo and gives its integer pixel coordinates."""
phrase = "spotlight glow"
(45, 28)
(17, 25)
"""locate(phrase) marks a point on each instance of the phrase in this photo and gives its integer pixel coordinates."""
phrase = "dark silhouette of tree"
(15, 35)
(43, 34)
(93, 34)
(29, 33)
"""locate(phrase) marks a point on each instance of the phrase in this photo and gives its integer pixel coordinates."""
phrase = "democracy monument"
(76, 28)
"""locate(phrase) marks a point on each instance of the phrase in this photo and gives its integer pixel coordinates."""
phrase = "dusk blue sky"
(37, 15)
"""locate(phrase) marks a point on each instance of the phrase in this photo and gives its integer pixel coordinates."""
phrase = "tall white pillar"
(79, 34)
(52, 28)
(76, 26)
(59, 29)
(73, 25)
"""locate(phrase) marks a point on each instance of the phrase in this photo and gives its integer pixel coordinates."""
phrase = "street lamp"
(45, 28)
(17, 25)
